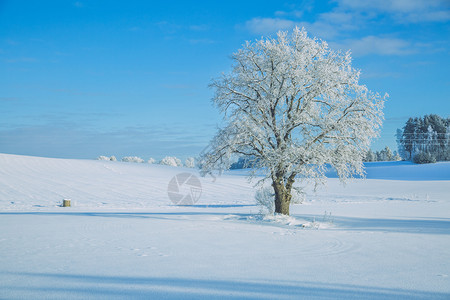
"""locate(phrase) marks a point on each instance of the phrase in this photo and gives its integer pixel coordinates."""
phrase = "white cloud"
(320, 29)
(351, 15)
(430, 16)
(293, 13)
(355, 24)
(414, 11)
(268, 25)
(338, 17)
(375, 45)
(265, 26)
(393, 5)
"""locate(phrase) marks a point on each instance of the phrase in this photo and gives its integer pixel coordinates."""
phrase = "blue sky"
(79, 79)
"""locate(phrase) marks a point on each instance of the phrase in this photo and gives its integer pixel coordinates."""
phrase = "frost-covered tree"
(396, 157)
(134, 159)
(370, 156)
(190, 162)
(171, 161)
(102, 157)
(293, 105)
(151, 160)
(386, 154)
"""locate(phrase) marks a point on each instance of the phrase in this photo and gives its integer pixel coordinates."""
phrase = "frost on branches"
(291, 106)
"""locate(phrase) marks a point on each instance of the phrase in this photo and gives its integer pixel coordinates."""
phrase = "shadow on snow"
(121, 287)
(417, 225)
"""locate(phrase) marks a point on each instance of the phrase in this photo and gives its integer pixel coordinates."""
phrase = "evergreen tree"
(400, 145)
(387, 154)
(429, 135)
(396, 157)
(378, 156)
(408, 138)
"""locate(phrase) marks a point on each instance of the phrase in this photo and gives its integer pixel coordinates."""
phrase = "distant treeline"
(167, 161)
(425, 139)
(384, 155)
(242, 163)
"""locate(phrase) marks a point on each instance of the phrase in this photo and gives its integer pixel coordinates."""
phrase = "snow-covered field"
(386, 237)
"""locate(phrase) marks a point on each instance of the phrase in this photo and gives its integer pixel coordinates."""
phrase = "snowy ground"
(388, 237)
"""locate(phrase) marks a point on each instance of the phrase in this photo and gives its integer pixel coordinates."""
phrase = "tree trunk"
(282, 197)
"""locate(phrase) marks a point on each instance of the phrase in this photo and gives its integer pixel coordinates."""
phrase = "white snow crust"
(385, 237)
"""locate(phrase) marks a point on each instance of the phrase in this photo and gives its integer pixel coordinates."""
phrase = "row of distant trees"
(384, 155)
(425, 139)
(166, 161)
(422, 140)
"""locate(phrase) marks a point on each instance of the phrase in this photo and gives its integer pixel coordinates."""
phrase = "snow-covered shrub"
(171, 161)
(298, 195)
(265, 198)
(113, 158)
(190, 162)
(151, 160)
(102, 157)
(424, 158)
(134, 159)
